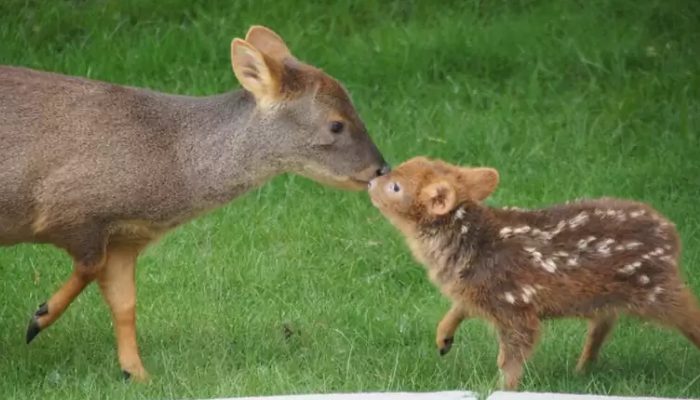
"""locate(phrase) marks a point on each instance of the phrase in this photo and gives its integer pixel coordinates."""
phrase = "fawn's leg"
(118, 288)
(89, 259)
(447, 327)
(518, 337)
(598, 329)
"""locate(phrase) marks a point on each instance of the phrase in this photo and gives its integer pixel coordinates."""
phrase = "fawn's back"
(576, 258)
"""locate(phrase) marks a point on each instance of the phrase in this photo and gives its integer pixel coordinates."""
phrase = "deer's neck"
(222, 151)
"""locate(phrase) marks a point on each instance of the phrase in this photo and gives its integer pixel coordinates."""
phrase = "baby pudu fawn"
(593, 259)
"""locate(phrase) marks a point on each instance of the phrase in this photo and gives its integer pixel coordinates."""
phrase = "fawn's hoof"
(34, 328)
(446, 345)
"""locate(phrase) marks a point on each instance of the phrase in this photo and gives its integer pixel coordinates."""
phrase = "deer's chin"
(344, 183)
(335, 181)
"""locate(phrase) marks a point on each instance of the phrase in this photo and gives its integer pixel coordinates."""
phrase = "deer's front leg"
(118, 288)
(447, 327)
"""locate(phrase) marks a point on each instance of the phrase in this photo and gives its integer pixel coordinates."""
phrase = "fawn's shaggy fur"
(591, 259)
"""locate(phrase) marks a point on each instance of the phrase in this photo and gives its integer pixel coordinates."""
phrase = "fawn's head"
(305, 114)
(421, 190)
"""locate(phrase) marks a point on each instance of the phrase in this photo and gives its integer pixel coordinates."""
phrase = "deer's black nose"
(385, 169)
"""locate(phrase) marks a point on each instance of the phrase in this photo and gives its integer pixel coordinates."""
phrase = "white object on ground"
(454, 395)
(564, 396)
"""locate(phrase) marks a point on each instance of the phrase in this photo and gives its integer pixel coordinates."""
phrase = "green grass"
(567, 99)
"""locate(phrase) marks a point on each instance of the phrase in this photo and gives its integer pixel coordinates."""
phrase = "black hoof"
(126, 375)
(33, 329)
(447, 345)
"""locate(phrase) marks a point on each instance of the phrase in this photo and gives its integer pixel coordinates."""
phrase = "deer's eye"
(395, 187)
(337, 126)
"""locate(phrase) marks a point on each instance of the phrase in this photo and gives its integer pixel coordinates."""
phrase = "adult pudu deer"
(101, 170)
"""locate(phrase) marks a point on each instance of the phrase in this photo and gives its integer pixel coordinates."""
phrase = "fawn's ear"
(267, 42)
(257, 73)
(439, 198)
(480, 182)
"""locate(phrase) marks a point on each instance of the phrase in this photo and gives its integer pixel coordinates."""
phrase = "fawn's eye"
(337, 126)
(395, 187)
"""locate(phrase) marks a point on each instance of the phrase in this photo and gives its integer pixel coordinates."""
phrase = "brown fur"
(102, 170)
(592, 259)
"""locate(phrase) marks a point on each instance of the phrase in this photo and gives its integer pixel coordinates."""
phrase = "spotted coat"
(568, 260)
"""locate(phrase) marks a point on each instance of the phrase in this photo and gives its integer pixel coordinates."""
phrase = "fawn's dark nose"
(385, 169)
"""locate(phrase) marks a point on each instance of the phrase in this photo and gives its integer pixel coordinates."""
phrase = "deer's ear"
(480, 182)
(439, 198)
(257, 73)
(267, 42)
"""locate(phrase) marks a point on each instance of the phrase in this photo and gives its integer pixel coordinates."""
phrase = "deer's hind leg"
(87, 248)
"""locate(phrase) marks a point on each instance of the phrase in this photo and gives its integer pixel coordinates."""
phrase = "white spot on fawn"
(560, 227)
(611, 213)
(578, 220)
(560, 254)
(632, 245)
(528, 292)
(506, 232)
(657, 252)
(604, 247)
(643, 279)
(510, 231)
(656, 291)
(509, 297)
(666, 258)
(660, 232)
(654, 253)
(464, 229)
(637, 214)
(572, 262)
(537, 232)
(548, 264)
(460, 214)
(521, 230)
(583, 243)
(630, 268)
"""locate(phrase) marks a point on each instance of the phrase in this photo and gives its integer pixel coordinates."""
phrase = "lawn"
(296, 288)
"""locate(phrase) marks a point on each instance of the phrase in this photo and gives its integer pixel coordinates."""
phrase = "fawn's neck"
(455, 242)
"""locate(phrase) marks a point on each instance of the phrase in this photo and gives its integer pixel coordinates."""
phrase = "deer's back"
(74, 150)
